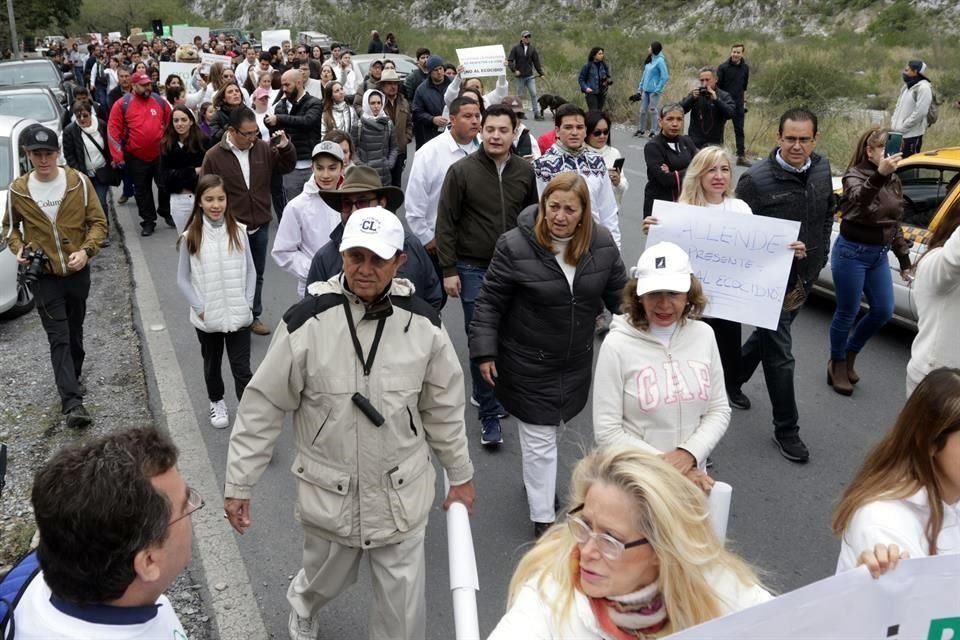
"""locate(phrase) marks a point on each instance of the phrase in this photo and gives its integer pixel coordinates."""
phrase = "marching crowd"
(528, 238)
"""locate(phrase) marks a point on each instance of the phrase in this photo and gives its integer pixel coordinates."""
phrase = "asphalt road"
(780, 514)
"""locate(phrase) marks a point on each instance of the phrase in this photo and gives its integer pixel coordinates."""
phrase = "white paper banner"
(185, 35)
(182, 69)
(209, 59)
(919, 600)
(114, 36)
(274, 38)
(482, 61)
(742, 260)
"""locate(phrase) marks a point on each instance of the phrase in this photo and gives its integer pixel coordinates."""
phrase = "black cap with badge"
(39, 138)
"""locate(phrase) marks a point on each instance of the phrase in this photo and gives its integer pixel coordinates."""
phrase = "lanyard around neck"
(368, 363)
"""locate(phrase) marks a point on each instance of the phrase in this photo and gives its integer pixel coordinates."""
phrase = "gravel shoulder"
(31, 424)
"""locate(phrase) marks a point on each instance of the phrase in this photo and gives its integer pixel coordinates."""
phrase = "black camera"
(36, 259)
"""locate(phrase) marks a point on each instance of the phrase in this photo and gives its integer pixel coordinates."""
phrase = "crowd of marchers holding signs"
(528, 239)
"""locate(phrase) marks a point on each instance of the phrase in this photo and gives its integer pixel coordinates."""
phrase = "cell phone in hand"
(894, 144)
(618, 164)
(275, 139)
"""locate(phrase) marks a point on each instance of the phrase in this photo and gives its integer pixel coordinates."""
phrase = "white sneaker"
(219, 418)
(303, 628)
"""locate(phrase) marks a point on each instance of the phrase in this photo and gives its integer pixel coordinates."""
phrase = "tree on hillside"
(102, 16)
(39, 17)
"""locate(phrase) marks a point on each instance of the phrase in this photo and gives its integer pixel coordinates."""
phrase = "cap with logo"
(140, 78)
(329, 148)
(40, 138)
(663, 267)
(373, 228)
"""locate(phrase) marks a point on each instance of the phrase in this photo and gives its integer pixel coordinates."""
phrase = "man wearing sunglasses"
(115, 532)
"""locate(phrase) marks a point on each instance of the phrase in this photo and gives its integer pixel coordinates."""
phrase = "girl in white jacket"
(905, 499)
(218, 279)
(636, 558)
(658, 382)
(937, 277)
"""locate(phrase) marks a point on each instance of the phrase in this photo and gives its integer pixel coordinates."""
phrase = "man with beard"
(299, 114)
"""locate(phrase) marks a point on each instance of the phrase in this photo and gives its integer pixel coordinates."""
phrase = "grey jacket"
(377, 145)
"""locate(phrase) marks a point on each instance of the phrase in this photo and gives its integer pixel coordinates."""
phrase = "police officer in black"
(55, 225)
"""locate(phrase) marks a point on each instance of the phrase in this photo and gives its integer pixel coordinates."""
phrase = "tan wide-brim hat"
(363, 179)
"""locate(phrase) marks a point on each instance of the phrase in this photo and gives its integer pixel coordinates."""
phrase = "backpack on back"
(12, 587)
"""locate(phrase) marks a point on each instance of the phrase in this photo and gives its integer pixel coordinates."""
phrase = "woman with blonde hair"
(637, 558)
(905, 499)
(532, 329)
(659, 382)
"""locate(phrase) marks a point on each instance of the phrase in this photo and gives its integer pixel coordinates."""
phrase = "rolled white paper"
(464, 582)
(720, 497)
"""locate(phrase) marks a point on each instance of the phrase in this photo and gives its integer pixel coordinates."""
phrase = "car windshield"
(6, 162)
(404, 67)
(27, 105)
(924, 189)
(28, 74)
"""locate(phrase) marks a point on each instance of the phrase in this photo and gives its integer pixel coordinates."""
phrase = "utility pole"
(13, 31)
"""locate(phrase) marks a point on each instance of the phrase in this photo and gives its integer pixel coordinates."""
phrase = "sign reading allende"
(919, 600)
(482, 61)
(742, 260)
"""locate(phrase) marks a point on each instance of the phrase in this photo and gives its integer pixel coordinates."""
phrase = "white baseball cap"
(373, 228)
(663, 267)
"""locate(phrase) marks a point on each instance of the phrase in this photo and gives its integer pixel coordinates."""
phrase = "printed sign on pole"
(274, 38)
(209, 59)
(182, 69)
(184, 34)
(479, 62)
(742, 260)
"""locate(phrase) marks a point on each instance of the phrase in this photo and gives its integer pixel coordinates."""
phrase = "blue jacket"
(655, 75)
(427, 103)
(594, 75)
(418, 268)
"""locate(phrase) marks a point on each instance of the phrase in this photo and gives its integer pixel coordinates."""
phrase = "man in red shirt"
(135, 128)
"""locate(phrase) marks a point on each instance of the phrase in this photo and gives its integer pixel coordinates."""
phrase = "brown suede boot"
(851, 374)
(837, 377)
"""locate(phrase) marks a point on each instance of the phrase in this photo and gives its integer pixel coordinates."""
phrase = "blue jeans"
(530, 85)
(859, 269)
(102, 191)
(258, 247)
(471, 280)
(774, 349)
(648, 109)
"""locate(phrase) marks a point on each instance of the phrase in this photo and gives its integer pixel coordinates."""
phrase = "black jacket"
(734, 78)
(219, 122)
(541, 334)
(525, 63)
(73, 150)
(477, 205)
(301, 123)
(427, 103)
(418, 268)
(98, 111)
(708, 116)
(178, 168)
(772, 191)
(660, 185)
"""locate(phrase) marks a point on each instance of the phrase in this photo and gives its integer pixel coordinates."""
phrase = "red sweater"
(139, 132)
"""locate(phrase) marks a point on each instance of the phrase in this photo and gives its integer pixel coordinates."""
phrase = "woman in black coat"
(181, 155)
(532, 333)
(667, 155)
(85, 148)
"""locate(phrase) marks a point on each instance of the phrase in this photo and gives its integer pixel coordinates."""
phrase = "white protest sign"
(742, 260)
(185, 35)
(916, 601)
(209, 59)
(182, 69)
(274, 38)
(114, 36)
(482, 61)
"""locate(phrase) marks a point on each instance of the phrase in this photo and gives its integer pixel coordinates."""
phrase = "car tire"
(24, 304)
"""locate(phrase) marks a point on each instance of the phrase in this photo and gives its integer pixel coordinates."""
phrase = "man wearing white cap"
(913, 106)
(376, 390)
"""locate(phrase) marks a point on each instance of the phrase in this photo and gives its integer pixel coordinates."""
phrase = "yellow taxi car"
(931, 186)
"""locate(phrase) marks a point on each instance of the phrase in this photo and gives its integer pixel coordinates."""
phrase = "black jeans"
(728, 336)
(595, 101)
(238, 353)
(259, 240)
(62, 306)
(278, 195)
(738, 117)
(774, 349)
(396, 174)
(912, 146)
(144, 174)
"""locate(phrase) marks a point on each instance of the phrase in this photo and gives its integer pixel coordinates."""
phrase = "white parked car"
(361, 64)
(15, 300)
(931, 187)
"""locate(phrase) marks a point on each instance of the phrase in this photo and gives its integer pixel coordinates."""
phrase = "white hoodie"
(660, 397)
(305, 227)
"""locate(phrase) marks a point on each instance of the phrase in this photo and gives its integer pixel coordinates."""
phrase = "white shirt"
(731, 204)
(901, 522)
(37, 618)
(429, 169)
(48, 195)
(559, 251)
(243, 157)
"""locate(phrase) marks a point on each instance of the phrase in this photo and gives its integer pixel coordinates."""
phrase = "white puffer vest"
(218, 275)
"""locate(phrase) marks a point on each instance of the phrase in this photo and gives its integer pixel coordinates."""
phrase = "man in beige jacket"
(376, 390)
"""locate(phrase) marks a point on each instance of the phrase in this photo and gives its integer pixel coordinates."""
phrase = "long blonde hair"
(692, 190)
(672, 513)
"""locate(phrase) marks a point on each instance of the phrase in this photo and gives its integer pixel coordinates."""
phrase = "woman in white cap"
(659, 382)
